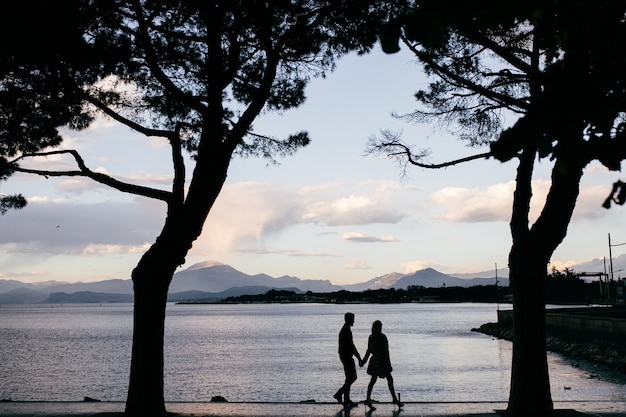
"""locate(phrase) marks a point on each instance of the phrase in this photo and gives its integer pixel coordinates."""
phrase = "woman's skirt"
(379, 367)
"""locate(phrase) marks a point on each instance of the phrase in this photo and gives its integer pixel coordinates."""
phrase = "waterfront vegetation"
(561, 288)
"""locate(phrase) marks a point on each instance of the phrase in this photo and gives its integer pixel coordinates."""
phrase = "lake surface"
(272, 352)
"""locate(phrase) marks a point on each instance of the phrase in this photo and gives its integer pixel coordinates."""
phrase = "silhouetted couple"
(379, 365)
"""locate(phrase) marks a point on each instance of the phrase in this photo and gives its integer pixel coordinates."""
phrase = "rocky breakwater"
(596, 350)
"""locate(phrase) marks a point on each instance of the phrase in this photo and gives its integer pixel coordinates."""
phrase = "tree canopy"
(554, 68)
(192, 72)
(552, 64)
(163, 68)
(35, 37)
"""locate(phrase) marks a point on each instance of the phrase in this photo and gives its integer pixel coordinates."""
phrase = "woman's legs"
(393, 391)
(391, 388)
(370, 387)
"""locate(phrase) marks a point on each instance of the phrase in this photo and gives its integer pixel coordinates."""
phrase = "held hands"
(363, 361)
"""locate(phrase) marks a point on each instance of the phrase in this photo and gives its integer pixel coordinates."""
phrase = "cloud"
(100, 250)
(418, 265)
(351, 210)
(561, 265)
(494, 204)
(145, 178)
(79, 185)
(142, 178)
(592, 265)
(596, 167)
(45, 200)
(64, 227)
(76, 185)
(243, 217)
(250, 211)
(362, 238)
(326, 233)
(54, 162)
(589, 203)
(356, 264)
(26, 276)
(384, 186)
(330, 205)
(471, 205)
(286, 252)
(245, 212)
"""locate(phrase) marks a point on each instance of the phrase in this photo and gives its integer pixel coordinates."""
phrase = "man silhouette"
(346, 351)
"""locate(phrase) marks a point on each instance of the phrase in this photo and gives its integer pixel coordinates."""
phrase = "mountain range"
(213, 282)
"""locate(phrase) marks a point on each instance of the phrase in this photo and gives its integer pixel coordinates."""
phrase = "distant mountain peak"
(430, 277)
(429, 270)
(49, 283)
(215, 279)
(204, 264)
(386, 281)
(218, 277)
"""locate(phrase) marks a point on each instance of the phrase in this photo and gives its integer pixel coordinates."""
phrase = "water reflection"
(276, 353)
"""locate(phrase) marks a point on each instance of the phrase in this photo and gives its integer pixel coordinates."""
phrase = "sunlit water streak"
(271, 352)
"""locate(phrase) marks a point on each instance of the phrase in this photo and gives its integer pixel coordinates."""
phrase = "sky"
(330, 212)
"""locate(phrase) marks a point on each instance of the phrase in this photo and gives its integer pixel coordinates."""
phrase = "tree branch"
(454, 78)
(504, 53)
(86, 172)
(123, 120)
(396, 149)
(259, 100)
(178, 185)
(151, 61)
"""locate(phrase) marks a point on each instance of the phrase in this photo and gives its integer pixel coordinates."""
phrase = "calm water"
(276, 352)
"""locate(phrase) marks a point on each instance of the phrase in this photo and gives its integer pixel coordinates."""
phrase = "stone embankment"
(595, 350)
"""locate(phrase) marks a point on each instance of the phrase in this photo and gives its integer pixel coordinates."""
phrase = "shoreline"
(411, 409)
(595, 350)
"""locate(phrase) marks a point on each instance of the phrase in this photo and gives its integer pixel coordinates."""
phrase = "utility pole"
(608, 286)
(497, 290)
(610, 258)
(611, 266)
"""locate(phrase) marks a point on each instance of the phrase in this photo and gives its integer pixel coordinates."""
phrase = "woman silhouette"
(380, 364)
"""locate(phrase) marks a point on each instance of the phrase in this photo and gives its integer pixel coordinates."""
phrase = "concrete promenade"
(477, 409)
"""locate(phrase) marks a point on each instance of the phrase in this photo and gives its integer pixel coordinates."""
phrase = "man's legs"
(349, 369)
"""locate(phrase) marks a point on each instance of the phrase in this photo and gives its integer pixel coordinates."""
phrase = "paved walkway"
(476, 409)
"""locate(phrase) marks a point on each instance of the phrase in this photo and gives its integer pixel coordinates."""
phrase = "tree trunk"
(145, 391)
(530, 382)
(151, 280)
(153, 275)
(530, 385)
(528, 260)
